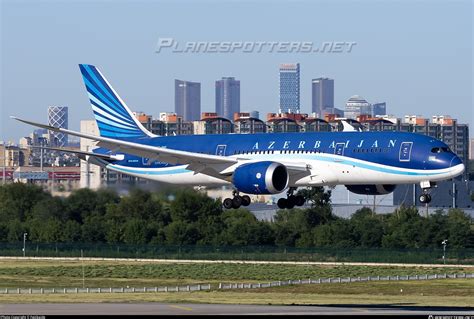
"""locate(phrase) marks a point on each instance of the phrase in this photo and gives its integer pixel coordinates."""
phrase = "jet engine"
(261, 178)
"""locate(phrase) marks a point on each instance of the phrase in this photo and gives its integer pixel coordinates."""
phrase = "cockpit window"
(440, 149)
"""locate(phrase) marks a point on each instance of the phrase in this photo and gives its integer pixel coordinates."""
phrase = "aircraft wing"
(217, 166)
(83, 153)
(160, 153)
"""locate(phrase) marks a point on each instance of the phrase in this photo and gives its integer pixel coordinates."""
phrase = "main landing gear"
(291, 200)
(236, 201)
(425, 198)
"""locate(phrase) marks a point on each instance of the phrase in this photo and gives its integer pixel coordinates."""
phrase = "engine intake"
(371, 189)
(261, 178)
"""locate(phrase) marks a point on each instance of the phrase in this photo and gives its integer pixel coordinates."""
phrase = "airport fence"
(254, 253)
(341, 280)
(224, 286)
(187, 288)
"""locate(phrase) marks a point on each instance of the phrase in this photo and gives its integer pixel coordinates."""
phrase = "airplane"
(371, 163)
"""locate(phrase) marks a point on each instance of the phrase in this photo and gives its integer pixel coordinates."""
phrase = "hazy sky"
(415, 55)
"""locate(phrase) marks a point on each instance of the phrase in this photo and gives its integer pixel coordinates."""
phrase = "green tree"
(93, 229)
(72, 232)
(190, 205)
(368, 228)
(317, 196)
(434, 230)
(49, 208)
(17, 200)
(403, 229)
(15, 231)
(458, 227)
(80, 204)
(181, 233)
(338, 233)
(135, 231)
(3, 232)
(242, 228)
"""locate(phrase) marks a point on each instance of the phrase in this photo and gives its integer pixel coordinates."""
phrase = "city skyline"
(402, 64)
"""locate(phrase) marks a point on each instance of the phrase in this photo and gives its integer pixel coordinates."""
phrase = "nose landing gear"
(291, 200)
(425, 198)
(236, 201)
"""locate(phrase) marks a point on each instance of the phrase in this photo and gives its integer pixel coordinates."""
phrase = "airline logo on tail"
(114, 118)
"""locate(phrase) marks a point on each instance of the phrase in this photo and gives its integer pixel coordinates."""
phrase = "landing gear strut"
(236, 201)
(291, 200)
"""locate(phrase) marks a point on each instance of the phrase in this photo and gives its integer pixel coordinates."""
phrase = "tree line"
(189, 217)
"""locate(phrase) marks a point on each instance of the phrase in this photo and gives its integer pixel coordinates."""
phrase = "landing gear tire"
(291, 202)
(299, 200)
(228, 203)
(425, 198)
(236, 202)
(282, 202)
(246, 200)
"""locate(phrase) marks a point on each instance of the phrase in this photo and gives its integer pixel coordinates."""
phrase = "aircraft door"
(405, 151)
(339, 150)
(220, 150)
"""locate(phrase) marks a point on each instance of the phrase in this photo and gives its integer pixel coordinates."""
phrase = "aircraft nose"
(457, 166)
(455, 161)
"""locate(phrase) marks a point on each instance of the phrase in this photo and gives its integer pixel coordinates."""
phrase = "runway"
(220, 309)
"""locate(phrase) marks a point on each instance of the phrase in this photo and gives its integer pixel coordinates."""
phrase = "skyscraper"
(323, 95)
(227, 97)
(379, 109)
(290, 88)
(355, 106)
(187, 100)
(58, 117)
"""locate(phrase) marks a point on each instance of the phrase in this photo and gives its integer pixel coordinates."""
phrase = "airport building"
(227, 97)
(187, 99)
(289, 88)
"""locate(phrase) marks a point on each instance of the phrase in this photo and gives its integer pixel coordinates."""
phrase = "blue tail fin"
(113, 117)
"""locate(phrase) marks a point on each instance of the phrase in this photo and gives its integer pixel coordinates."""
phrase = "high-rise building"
(289, 88)
(227, 97)
(471, 149)
(322, 95)
(356, 106)
(379, 109)
(187, 99)
(58, 117)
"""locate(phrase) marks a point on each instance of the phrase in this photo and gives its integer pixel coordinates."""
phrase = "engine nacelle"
(261, 178)
(371, 189)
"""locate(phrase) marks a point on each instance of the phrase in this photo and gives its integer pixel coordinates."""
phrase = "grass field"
(13, 274)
